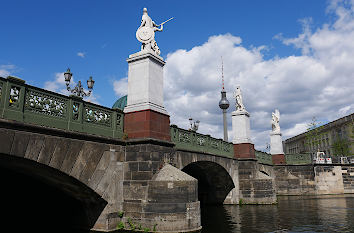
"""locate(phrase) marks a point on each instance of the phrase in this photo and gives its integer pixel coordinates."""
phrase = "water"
(332, 213)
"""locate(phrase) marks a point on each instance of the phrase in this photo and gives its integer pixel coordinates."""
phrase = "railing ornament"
(192, 141)
(28, 104)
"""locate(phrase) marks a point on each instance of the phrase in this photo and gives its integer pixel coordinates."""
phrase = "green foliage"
(341, 147)
(314, 133)
(131, 224)
(120, 226)
(240, 202)
(120, 214)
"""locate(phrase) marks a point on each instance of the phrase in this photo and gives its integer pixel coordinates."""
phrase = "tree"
(341, 147)
(313, 135)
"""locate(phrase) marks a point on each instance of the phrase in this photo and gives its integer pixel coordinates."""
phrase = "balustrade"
(192, 141)
(29, 104)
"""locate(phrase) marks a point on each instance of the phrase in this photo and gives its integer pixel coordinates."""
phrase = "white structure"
(145, 83)
(275, 121)
(239, 101)
(240, 121)
(276, 144)
(145, 74)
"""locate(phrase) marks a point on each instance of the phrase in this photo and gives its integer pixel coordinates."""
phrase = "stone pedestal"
(276, 148)
(147, 124)
(145, 115)
(244, 150)
(243, 146)
(278, 159)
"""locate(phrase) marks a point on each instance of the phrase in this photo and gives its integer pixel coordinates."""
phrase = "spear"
(165, 21)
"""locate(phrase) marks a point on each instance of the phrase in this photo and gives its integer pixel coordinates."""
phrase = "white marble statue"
(275, 121)
(146, 33)
(238, 97)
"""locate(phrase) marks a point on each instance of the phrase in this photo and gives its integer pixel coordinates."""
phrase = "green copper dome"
(121, 103)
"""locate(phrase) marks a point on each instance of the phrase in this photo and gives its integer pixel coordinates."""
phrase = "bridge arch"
(39, 197)
(214, 181)
(79, 167)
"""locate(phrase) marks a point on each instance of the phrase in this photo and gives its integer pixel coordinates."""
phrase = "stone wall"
(256, 187)
(348, 178)
(294, 180)
(328, 180)
(313, 179)
(156, 199)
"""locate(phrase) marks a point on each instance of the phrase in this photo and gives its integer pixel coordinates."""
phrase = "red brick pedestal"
(278, 159)
(244, 150)
(147, 124)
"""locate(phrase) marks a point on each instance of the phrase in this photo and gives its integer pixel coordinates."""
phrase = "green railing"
(263, 157)
(298, 159)
(192, 141)
(29, 104)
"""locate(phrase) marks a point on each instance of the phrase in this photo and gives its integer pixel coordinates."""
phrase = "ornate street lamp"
(78, 89)
(194, 125)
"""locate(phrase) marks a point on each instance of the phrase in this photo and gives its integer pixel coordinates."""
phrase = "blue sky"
(41, 38)
(259, 40)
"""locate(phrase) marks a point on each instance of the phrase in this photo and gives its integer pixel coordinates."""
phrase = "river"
(329, 213)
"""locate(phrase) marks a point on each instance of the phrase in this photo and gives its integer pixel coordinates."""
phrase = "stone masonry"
(120, 176)
(255, 187)
(348, 178)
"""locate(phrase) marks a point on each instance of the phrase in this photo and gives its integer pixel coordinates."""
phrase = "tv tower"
(224, 103)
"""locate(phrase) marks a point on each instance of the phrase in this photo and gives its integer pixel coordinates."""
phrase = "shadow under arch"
(37, 197)
(214, 182)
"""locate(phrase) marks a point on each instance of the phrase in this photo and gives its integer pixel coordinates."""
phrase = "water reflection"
(334, 213)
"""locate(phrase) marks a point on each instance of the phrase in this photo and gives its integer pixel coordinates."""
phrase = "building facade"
(335, 138)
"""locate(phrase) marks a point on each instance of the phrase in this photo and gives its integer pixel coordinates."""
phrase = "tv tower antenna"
(222, 74)
(224, 103)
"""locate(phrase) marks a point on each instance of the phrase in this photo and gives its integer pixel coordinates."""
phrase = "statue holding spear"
(146, 33)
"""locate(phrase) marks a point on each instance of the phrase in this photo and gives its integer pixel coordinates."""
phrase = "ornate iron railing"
(192, 141)
(298, 159)
(263, 157)
(29, 104)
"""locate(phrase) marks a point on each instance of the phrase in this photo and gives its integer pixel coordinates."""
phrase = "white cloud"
(121, 86)
(58, 84)
(318, 83)
(81, 54)
(6, 70)
(296, 129)
(301, 41)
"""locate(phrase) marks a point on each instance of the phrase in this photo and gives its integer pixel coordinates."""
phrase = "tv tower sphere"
(224, 103)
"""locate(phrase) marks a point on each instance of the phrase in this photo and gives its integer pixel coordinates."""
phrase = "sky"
(295, 56)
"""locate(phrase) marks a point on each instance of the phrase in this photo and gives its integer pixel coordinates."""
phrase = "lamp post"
(194, 125)
(78, 89)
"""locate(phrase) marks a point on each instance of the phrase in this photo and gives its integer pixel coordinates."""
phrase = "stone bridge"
(76, 180)
(68, 164)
